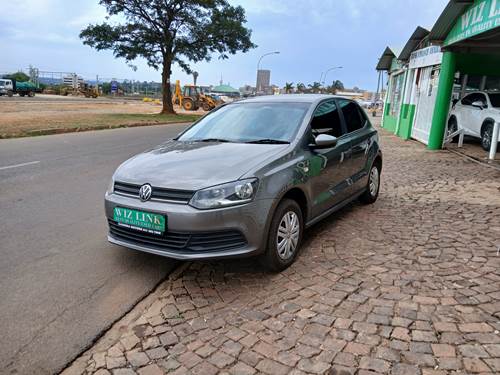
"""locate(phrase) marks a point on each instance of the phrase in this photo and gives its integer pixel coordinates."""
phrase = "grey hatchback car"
(246, 179)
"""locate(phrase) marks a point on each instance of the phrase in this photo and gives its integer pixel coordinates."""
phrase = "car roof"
(289, 98)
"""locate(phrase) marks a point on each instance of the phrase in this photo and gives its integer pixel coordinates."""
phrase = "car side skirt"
(337, 207)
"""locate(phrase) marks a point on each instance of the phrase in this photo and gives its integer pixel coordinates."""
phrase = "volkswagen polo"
(246, 179)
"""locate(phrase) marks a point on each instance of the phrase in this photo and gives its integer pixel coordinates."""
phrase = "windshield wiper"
(269, 141)
(211, 140)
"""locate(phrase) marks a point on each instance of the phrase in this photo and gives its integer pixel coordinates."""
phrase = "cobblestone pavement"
(409, 285)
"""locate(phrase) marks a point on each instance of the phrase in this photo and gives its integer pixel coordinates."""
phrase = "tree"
(338, 85)
(164, 32)
(315, 87)
(18, 76)
(301, 88)
(288, 87)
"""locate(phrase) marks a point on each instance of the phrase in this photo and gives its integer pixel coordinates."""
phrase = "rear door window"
(353, 117)
(326, 120)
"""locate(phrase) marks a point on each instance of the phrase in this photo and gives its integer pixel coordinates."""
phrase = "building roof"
(385, 61)
(412, 43)
(224, 88)
(447, 19)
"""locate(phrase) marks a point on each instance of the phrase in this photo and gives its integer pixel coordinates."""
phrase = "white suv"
(476, 114)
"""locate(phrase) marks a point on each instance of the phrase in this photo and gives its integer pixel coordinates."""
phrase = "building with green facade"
(460, 53)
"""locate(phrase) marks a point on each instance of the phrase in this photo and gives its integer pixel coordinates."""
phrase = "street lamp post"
(257, 87)
(323, 75)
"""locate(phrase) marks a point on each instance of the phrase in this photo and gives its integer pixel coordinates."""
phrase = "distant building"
(226, 90)
(263, 79)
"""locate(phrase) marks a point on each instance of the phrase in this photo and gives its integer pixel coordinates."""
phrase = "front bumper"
(250, 220)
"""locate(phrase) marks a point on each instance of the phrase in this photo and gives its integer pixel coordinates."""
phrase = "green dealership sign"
(482, 16)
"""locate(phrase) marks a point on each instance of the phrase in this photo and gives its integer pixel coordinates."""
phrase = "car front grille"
(180, 241)
(170, 195)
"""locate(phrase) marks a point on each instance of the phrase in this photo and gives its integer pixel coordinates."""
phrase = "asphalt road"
(61, 282)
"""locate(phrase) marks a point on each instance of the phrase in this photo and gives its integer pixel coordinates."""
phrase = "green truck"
(10, 87)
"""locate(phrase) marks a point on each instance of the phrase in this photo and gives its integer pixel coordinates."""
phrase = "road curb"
(40, 132)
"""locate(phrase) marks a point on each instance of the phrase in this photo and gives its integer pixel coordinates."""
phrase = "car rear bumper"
(194, 234)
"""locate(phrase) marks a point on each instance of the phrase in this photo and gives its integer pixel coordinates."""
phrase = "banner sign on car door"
(426, 57)
(482, 16)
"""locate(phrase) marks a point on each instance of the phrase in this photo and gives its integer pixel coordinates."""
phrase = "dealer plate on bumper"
(139, 220)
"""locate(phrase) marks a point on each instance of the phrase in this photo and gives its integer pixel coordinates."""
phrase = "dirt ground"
(45, 114)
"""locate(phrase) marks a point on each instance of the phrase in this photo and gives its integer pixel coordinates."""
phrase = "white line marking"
(19, 165)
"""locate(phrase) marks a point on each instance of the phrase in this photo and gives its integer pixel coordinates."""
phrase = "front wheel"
(371, 193)
(285, 236)
(486, 136)
(452, 128)
(188, 104)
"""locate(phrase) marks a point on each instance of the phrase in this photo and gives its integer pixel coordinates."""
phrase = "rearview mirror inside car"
(324, 141)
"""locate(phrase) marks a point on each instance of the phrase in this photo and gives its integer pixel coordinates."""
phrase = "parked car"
(476, 114)
(246, 179)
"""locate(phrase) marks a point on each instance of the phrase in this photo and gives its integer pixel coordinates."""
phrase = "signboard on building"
(426, 57)
(482, 16)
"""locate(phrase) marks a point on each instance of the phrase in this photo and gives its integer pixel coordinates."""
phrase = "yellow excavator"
(191, 98)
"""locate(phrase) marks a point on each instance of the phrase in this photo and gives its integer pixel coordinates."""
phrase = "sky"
(311, 36)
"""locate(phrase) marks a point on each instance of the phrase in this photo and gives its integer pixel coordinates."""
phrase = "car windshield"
(249, 122)
(495, 100)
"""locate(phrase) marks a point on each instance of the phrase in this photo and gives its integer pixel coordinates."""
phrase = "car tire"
(287, 224)
(486, 136)
(452, 128)
(373, 185)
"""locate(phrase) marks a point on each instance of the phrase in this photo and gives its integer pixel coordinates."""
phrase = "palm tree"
(315, 87)
(301, 88)
(336, 86)
(288, 87)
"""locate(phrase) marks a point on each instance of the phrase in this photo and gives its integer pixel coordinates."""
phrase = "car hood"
(194, 165)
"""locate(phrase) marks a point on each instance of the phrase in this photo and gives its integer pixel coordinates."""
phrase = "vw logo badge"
(145, 192)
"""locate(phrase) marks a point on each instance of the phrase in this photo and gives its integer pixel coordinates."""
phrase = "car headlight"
(111, 186)
(230, 194)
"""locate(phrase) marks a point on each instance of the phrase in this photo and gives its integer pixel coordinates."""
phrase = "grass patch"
(86, 122)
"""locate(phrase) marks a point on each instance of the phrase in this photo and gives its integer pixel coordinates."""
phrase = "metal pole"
(494, 140)
(328, 70)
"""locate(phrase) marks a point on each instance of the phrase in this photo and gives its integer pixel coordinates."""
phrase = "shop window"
(493, 84)
(395, 95)
(473, 83)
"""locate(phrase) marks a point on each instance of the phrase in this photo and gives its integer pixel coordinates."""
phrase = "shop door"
(426, 98)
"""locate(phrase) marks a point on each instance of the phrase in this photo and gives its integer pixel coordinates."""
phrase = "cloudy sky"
(311, 35)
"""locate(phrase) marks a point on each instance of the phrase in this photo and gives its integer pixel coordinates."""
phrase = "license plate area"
(141, 221)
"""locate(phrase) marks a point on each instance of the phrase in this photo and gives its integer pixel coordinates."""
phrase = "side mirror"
(478, 104)
(324, 141)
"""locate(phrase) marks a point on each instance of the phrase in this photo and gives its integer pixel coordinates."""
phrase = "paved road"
(61, 283)
(406, 286)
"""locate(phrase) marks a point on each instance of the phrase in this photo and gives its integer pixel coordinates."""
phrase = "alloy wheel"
(374, 181)
(288, 234)
(486, 139)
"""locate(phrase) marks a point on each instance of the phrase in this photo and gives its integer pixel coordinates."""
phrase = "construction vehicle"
(191, 98)
(85, 89)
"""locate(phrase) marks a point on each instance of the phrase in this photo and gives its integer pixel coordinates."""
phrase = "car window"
(326, 120)
(495, 100)
(246, 122)
(471, 98)
(353, 117)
